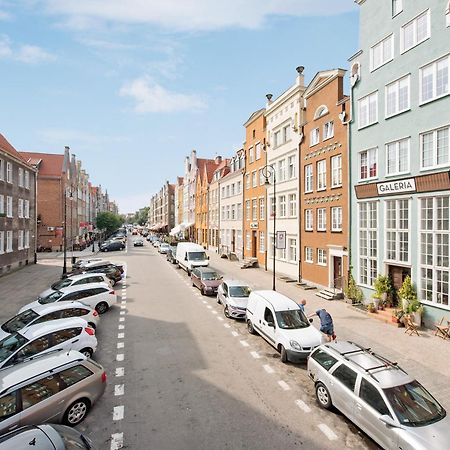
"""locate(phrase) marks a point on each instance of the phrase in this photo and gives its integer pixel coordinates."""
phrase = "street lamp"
(65, 228)
(269, 172)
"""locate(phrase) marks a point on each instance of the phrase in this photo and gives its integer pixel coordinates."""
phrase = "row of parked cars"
(47, 374)
(389, 405)
(117, 241)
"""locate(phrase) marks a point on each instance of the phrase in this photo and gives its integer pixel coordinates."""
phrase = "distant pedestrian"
(326, 324)
(302, 305)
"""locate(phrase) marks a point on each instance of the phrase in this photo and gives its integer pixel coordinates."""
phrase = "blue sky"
(133, 86)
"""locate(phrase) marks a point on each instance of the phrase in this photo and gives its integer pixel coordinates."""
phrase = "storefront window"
(397, 230)
(367, 243)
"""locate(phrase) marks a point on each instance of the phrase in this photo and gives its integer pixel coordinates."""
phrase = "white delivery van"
(281, 322)
(191, 255)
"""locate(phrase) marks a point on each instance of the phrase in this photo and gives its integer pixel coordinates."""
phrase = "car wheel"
(203, 291)
(87, 352)
(283, 354)
(76, 412)
(193, 284)
(92, 325)
(323, 396)
(105, 249)
(189, 273)
(102, 307)
(114, 282)
(226, 313)
(250, 328)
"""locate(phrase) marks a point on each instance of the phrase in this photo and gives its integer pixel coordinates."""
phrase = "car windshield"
(10, 344)
(413, 405)
(210, 276)
(61, 284)
(239, 291)
(197, 256)
(53, 297)
(19, 321)
(291, 319)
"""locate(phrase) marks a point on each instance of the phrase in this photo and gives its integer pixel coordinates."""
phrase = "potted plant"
(410, 302)
(371, 308)
(383, 287)
(352, 291)
(376, 300)
(397, 317)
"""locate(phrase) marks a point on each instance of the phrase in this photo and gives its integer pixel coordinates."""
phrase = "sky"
(132, 86)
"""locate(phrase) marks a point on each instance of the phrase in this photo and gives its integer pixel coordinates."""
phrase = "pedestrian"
(302, 305)
(326, 324)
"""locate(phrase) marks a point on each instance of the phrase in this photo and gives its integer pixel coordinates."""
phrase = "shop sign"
(397, 187)
(254, 225)
(281, 240)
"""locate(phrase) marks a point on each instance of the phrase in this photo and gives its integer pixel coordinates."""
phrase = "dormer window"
(320, 111)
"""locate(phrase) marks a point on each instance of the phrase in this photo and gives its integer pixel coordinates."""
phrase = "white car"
(281, 322)
(70, 334)
(233, 295)
(164, 248)
(76, 280)
(45, 313)
(98, 296)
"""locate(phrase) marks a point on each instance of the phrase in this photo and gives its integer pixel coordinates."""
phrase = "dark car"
(138, 243)
(112, 271)
(171, 254)
(112, 246)
(206, 279)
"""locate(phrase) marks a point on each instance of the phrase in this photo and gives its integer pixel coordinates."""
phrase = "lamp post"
(65, 229)
(268, 172)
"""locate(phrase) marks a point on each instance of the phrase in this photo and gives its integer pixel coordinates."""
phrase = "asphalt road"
(182, 376)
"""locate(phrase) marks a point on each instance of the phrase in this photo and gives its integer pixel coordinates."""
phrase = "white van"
(281, 322)
(191, 255)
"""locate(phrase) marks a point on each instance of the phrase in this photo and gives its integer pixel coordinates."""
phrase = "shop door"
(233, 241)
(337, 272)
(254, 244)
(398, 275)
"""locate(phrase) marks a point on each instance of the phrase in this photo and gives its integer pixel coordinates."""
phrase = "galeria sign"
(397, 187)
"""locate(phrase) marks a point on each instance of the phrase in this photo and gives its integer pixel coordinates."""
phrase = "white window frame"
(309, 255)
(309, 220)
(321, 170)
(254, 179)
(254, 209)
(397, 143)
(414, 22)
(336, 218)
(20, 176)
(257, 151)
(262, 208)
(247, 210)
(20, 239)
(314, 137)
(9, 172)
(384, 59)
(292, 249)
(321, 214)
(292, 167)
(309, 186)
(370, 120)
(435, 153)
(328, 130)
(292, 200)
(9, 207)
(375, 149)
(2, 169)
(434, 65)
(20, 208)
(336, 171)
(321, 257)
(27, 239)
(399, 9)
(9, 241)
(397, 230)
(262, 242)
(372, 252)
(2, 204)
(396, 84)
(282, 209)
(27, 179)
(281, 170)
(2, 242)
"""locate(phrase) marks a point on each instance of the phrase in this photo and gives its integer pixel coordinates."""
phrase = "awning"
(174, 231)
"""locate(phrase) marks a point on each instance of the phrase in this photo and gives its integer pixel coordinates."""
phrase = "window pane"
(39, 391)
(346, 376)
(372, 397)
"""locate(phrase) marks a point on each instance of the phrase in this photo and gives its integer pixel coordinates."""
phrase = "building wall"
(255, 233)
(398, 247)
(324, 104)
(19, 253)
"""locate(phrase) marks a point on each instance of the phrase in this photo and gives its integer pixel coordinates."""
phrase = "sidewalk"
(87, 252)
(425, 357)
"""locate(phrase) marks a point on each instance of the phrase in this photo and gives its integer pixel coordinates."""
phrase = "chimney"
(194, 158)
(300, 81)
(269, 99)
(218, 159)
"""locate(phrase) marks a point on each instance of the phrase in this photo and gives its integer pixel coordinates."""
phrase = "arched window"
(320, 111)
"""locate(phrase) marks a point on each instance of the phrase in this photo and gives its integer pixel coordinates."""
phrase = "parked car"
(171, 255)
(97, 295)
(163, 248)
(191, 255)
(394, 409)
(45, 437)
(45, 313)
(233, 295)
(83, 262)
(281, 322)
(206, 279)
(70, 334)
(94, 267)
(76, 280)
(138, 242)
(112, 246)
(60, 386)
(156, 243)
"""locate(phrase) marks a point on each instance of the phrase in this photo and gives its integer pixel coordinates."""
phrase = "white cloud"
(152, 97)
(190, 14)
(28, 54)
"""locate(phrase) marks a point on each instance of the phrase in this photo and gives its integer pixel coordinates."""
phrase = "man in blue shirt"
(326, 323)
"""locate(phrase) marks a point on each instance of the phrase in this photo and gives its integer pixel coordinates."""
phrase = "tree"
(142, 215)
(108, 221)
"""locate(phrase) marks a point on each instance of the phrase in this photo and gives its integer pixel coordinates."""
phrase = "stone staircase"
(329, 294)
(249, 262)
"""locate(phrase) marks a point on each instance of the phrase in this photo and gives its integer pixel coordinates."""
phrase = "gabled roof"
(321, 79)
(254, 116)
(10, 150)
(49, 164)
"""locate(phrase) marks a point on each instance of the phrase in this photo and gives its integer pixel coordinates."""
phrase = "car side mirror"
(207, 257)
(389, 421)
(310, 320)
(271, 324)
(185, 258)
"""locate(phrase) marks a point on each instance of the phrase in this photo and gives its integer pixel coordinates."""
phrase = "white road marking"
(235, 333)
(122, 313)
(284, 385)
(255, 355)
(118, 412)
(120, 345)
(123, 306)
(124, 302)
(205, 302)
(119, 389)
(121, 319)
(303, 406)
(120, 335)
(124, 296)
(328, 432)
(209, 307)
(268, 369)
(244, 343)
(120, 357)
(220, 318)
(116, 441)
(120, 371)
(214, 312)
(227, 325)
(121, 327)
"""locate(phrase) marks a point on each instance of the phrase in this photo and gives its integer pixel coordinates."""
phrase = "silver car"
(233, 295)
(394, 409)
(56, 387)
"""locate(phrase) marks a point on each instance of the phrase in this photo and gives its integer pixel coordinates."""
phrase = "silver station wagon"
(394, 409)
(56, 387)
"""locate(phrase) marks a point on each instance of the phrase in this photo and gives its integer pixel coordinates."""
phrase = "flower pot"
(376, 302)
